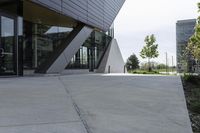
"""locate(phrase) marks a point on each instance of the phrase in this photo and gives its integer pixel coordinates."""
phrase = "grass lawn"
(143, 72)
(156, 71)
(192, 93)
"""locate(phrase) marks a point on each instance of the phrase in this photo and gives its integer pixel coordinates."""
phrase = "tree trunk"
(149, 64)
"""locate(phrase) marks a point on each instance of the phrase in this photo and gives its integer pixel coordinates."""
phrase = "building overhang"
(38, 14)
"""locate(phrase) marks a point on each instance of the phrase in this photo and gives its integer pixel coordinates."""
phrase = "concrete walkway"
(93, 104)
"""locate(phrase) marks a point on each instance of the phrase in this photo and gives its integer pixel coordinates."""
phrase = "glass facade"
(7, 45)
(111, 31)
(9, 11)
(27, 38)
(40, 41)
(91, 52)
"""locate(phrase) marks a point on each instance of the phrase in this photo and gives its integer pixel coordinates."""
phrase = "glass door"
(7, 45)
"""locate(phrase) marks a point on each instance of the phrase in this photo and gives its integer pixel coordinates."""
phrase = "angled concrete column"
(112, 61)
(64, 58)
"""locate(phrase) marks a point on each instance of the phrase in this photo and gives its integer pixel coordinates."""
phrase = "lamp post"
(166, 63)
(172, 63)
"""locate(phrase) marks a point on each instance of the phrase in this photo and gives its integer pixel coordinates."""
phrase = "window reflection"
(7, 45)
(7, 27)
(90, 54)
(41, 41)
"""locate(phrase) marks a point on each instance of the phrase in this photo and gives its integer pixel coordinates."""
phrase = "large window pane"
(91, 52)
(7, 27)
(7, 45)
(41, 41)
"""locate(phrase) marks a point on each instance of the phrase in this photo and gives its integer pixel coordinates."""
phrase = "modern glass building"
(184, 30)
(50, 36)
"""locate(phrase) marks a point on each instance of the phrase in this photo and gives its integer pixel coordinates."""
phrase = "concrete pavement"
(36, 105)
(94, 104)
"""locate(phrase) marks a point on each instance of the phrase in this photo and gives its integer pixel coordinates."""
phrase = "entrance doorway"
(7, 45)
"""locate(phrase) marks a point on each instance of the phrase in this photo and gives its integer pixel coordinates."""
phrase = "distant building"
(184, 30)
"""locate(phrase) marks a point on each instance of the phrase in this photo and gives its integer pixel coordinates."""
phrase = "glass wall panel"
(20, 45)
(9, 9)
(85, 59)
(41, 41)
(7, 60)
(91, 52)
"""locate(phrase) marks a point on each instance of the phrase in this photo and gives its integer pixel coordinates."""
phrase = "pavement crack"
(76, 108)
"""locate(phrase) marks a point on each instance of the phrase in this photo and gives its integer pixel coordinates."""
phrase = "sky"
(139, 18)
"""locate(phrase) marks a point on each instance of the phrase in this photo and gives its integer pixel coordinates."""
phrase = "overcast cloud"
(139, 18)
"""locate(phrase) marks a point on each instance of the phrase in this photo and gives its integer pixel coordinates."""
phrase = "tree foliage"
(193, 47)
(150, 50)
(161, 66)
(132, 62)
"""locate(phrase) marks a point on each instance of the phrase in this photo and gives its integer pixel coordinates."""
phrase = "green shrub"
(134, 72)
(156, 72)
(139, 71)
(195, 106)
(191, 78)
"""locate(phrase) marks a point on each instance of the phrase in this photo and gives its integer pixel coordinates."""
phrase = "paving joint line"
(41, 123)
(75, 106)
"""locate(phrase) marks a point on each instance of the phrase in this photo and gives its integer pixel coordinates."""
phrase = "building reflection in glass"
(40, 41)
(91, 52)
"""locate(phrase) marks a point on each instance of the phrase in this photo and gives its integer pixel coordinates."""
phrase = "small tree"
(132, 62)
(150, 49)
